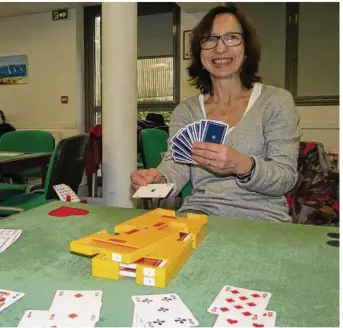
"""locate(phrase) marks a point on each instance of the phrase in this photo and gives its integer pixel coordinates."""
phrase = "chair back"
(154, 143)
(30, 141)
(67, 165)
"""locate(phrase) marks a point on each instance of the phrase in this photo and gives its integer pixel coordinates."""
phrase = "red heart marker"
(258, 325)
(65, 211)
(231, 322)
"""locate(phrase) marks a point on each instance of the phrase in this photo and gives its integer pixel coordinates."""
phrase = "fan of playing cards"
(200, 131)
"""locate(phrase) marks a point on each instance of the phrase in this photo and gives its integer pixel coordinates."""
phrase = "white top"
(256, 91)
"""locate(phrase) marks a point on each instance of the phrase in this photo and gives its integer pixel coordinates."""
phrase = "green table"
(293, 262)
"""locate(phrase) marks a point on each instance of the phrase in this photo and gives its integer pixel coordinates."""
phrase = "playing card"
(185, 137)
(200, 131)
(262, 319)
(180, 140)
(35, 318)
(73, 318)
(62, 190)
(154, 190)
(77, 302)
(196, 128)
(203, 124)
(181, 151)
(8, 237)
(8, 297)
(215, 132)
(181, 159)
(136, 321)
(245, 301)
(163, 310)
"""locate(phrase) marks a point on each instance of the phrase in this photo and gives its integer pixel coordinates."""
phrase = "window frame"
(90, 13)
(144, 8)
(292, 52)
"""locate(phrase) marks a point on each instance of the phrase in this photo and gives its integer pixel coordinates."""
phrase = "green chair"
(154, 143)
(66, 166)
(27, 141)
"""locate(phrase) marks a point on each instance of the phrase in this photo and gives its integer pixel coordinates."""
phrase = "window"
(157, 59)
(300, 48)
(318, 28)
(155, 80)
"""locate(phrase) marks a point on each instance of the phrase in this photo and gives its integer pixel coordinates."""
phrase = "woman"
(249, 175)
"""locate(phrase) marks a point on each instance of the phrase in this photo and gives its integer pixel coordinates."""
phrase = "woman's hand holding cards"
(221, 158)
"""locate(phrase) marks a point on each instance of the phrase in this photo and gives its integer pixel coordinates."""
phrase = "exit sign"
(60, 14)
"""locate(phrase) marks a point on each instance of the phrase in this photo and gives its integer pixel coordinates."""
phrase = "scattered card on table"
(258, 320)
(243, 300)
(8, 237)
(163, 310)
(35, 318)
(8, 297)
(157, 190)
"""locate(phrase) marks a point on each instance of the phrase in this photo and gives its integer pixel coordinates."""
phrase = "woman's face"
(224, 60)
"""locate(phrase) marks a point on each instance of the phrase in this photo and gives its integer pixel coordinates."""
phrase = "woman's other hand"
(144, 177)
(220, 158)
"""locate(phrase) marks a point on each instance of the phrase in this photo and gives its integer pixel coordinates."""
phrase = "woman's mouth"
(222, 61)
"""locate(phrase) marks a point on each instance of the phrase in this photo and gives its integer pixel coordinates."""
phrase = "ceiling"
(10, 9)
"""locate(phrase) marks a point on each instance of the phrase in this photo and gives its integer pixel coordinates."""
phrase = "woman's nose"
(221, 47)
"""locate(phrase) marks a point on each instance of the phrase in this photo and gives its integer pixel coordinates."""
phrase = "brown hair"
(200, 77)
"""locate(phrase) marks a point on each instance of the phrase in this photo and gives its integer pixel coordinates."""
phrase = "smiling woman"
(248, 175)
(224, 43)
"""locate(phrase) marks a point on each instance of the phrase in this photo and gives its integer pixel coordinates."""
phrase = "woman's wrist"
(247, 176)
(164, 178)
(246, 166)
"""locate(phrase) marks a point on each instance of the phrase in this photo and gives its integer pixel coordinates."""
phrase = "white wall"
(55, 69)
(318, 123)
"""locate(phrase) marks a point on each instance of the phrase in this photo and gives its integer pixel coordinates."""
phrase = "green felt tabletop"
(7, 156)
(293, 262)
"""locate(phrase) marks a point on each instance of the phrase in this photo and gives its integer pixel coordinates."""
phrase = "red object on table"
(65, 211)
(68, 198)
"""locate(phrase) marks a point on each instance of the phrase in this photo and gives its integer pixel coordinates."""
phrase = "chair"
(66, 166)
(93, 158)
(4, 126)
(153, 143)
(27, 141)
(315, 197)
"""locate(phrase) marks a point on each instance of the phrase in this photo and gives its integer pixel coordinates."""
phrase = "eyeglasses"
(229, 39)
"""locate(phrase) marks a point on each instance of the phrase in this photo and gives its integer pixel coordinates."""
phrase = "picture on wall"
(13, 69)
(187, 44)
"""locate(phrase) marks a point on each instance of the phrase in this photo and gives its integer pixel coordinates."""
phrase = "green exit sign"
(60, 14)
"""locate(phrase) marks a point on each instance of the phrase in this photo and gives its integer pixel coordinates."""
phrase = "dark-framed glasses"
(229, 39)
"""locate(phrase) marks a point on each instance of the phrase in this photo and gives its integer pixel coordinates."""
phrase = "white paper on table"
(8, 237)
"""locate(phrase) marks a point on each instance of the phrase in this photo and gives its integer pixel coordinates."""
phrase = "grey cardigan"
(270, 133)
